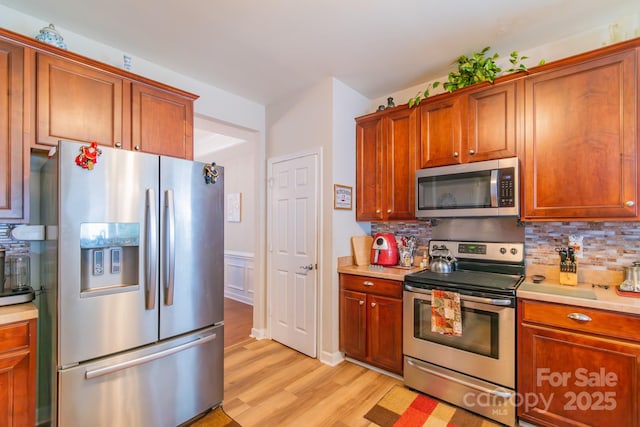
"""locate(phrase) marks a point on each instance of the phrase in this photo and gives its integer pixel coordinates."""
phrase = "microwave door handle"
(493, 185)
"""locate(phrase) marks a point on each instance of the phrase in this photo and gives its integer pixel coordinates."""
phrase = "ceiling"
(266, 50)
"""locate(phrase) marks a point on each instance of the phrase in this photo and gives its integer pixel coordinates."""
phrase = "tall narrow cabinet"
(386, 161)
(14, 158)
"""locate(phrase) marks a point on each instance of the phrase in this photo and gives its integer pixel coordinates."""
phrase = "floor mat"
(402, 407)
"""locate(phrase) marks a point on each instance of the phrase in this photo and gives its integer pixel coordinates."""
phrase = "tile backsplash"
(607, 246)
(12, 246)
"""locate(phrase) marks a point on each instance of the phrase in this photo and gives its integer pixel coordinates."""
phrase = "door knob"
(307, 267)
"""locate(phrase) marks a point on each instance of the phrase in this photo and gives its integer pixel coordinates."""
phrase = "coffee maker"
(15, 286)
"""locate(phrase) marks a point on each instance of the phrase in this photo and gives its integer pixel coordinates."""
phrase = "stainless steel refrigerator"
(133, 280)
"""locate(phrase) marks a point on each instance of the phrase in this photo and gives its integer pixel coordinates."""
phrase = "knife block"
(569, 276)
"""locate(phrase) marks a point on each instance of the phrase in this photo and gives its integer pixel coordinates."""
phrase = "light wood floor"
(269, 384)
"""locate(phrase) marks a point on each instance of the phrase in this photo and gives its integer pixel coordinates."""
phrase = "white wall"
(347, 104)
(322, 118)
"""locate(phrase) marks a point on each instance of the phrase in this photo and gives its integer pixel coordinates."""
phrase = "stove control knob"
(514, 251)
(503, 251)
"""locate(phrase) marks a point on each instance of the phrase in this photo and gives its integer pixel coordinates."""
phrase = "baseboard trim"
(374, 368)
(331, 359)
(258, 334)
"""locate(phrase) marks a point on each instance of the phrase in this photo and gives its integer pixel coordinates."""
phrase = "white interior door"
(293, 250)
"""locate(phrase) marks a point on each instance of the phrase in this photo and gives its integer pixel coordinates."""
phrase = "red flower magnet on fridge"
(88, 156)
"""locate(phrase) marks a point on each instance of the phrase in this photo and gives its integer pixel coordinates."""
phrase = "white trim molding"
(239, 276)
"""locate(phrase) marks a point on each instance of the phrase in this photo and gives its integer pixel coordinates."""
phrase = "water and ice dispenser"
(109, 257)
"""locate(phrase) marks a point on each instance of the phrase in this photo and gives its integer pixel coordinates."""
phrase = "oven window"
(480, 330)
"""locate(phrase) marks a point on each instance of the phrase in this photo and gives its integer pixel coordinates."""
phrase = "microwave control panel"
(506, 187)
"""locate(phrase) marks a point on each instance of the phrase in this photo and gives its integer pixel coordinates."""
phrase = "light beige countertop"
(582, 295)
(18, 313)
(346, 266)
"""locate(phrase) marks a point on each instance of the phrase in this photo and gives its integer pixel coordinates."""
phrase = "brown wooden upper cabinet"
(469, 126)
(14, 166)
(386, 152)
(83, 100)
(492, 122)
(81, 103)
(441, 131)
(162, 122)
(581, 141)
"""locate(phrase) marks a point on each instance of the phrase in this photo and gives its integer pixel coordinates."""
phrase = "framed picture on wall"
(342, 197)
(234, 207)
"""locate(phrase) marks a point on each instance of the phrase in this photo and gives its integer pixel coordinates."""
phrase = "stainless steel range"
(476, 369)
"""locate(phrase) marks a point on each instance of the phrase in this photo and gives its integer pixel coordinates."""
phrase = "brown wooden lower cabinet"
(18, 373)
(371, 321)
(577, 366)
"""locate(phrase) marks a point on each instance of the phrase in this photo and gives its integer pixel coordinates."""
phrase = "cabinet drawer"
(372, 285)
(567, 316)
(14, 336)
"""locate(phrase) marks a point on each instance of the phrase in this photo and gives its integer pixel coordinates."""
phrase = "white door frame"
(319, 240)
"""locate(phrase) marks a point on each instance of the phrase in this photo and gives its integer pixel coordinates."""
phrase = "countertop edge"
(391, 273)
(18, 313)
(606, 299)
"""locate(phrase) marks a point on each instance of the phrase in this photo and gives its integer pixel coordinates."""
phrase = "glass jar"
(19, 272)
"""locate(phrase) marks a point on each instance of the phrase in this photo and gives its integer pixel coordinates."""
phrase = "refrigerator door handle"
(94, 373)
(170, 257)
(151, 244)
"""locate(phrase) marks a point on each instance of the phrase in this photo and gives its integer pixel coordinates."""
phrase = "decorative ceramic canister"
(51, 36)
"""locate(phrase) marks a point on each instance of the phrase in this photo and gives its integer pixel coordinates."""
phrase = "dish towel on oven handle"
(446, 316)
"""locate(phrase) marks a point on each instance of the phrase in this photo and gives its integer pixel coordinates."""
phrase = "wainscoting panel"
(238, 276)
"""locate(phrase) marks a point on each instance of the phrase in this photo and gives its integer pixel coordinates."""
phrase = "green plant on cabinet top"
(474, 69)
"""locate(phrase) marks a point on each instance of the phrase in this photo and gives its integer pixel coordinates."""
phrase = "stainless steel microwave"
(482, 189)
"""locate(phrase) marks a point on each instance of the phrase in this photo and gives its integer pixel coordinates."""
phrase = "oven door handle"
(491, 301)
(495, 392)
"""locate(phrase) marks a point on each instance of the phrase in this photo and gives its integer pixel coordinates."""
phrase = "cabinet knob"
(361, 302)
(137, 148)
(389, 211)
(472, 152)
(377, 210)
(118, 144)
(455, 154)
(367, 283)
(373, 304)
(629, 203)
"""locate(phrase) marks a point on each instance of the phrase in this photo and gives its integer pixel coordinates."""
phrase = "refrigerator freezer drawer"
(163, 385)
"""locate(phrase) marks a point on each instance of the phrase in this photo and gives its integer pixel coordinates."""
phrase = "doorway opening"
(235, 149)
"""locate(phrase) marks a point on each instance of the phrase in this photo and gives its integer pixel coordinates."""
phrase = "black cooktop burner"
(492, 268)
